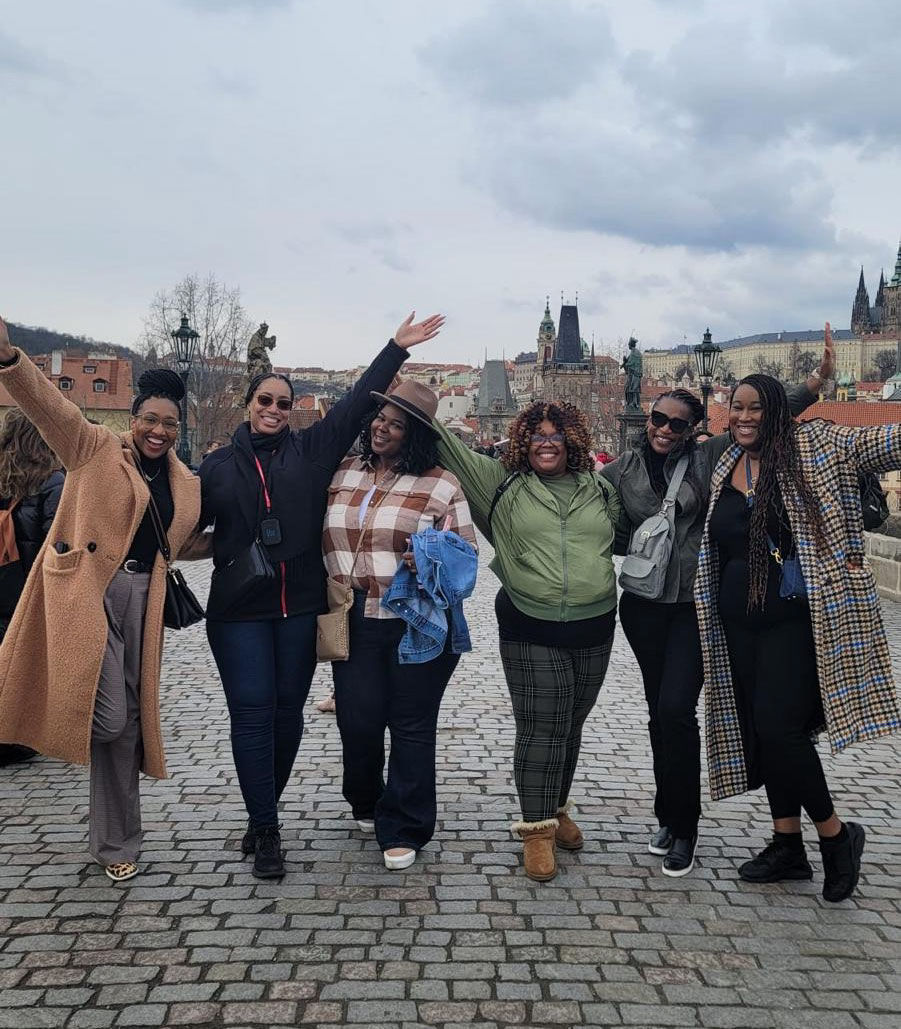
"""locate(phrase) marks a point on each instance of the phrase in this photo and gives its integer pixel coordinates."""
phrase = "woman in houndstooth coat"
(779, 668)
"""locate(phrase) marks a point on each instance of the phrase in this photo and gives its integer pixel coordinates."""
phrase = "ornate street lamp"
(185, 340)
(707, 356)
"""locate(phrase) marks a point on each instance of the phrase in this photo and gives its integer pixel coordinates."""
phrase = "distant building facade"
(99, 384)
(884, 317)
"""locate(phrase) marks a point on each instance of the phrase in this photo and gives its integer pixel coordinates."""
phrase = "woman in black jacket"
(271, 484)
(30, 485)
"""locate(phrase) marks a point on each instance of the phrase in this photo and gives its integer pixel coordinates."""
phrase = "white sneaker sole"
(398, 861)
(365, 826)
(678, 873)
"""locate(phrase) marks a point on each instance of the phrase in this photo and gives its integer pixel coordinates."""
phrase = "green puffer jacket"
(558, 569)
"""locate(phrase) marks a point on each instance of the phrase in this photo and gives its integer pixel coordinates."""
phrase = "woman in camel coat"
(64, 637)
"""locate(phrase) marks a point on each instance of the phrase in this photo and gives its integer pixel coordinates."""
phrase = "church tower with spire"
(860, 312)
(883, 319)
(564, 370)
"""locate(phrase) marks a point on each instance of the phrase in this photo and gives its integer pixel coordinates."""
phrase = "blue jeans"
(373, 690)
(266, 669)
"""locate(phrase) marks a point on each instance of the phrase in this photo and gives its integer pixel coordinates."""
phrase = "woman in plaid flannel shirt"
(377, 501)
(778, 668)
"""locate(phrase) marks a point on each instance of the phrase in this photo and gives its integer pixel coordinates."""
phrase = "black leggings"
(666, 644)
(777, 690)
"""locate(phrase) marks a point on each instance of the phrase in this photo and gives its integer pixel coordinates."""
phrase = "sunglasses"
(677, 425)
(283, 403)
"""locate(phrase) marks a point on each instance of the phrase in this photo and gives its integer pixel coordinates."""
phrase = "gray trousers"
(116, 745)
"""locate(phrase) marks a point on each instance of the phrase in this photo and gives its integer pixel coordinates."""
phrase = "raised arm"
(334, 435)
(807, 393)
(874, 448)
(479, 475)
(68, 434)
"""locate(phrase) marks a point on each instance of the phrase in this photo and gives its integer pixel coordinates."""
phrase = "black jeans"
(667, 646)
(374, 691)
(266, 669)
(777, 691)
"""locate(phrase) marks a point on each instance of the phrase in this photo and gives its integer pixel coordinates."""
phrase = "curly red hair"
(566, 419)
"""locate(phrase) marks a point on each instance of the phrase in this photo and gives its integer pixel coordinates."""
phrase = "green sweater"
(556, 568)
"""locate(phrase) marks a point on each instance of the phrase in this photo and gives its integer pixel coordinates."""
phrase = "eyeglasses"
(557, 437)
(150, 421)
(677, 425)
(283, 403)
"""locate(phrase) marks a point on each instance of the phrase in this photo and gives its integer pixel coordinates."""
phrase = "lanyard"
(749, 495)
(266, 497)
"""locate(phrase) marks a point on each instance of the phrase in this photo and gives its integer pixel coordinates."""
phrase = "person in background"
(80, 662)
(786, 655)
(663, 633)
(551, 521)
(271, 484)
(30, 486)
(377, 503)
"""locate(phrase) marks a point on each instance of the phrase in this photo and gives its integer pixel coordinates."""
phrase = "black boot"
(14, 753)
(841, 861)
(249, 842)
(268, 860)
(782, 859)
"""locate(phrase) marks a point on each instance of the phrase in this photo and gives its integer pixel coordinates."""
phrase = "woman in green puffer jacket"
(552, 523)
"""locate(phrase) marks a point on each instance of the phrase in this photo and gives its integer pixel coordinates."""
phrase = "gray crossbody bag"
(647, 559)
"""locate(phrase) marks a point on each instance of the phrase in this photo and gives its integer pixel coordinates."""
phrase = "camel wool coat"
(51, 656)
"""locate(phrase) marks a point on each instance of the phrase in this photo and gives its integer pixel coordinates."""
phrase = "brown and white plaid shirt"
(400, 506)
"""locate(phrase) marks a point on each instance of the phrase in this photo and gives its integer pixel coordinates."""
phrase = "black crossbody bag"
(181, 607)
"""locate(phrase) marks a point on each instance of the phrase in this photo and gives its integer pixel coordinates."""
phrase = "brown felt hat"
(414, 398)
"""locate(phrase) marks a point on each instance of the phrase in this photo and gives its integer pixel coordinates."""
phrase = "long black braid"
(779, 456)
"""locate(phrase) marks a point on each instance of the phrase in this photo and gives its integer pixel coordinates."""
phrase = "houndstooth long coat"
(853, 664)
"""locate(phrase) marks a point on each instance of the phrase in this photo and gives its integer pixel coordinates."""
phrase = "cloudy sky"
(677, 163)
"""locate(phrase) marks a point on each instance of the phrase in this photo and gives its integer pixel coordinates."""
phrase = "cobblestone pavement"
(461, 938)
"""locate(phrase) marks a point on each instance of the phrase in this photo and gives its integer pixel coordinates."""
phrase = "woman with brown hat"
(377, 502)
(80, 662)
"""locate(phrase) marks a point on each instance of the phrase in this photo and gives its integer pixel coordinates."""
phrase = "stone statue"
(632, 367)
(257, 359)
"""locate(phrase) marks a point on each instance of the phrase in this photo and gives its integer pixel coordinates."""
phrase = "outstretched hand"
(827, 363)
(6, 351)
(409, 334)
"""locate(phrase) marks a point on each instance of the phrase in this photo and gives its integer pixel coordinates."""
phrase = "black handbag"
(181, 608)
(243, 575)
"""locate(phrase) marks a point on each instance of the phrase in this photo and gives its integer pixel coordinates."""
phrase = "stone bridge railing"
(884, 557)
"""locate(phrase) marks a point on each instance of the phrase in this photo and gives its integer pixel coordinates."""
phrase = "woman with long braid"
(663, 632)
(783, 661)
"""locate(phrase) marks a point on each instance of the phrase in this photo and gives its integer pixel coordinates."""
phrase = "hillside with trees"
(38, 340)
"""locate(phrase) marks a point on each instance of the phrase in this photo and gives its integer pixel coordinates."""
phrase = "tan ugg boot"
(539, 850)
(569, 835)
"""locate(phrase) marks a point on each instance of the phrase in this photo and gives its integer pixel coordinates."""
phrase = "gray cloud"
(236, 5)
(18, 62)
(527, 53)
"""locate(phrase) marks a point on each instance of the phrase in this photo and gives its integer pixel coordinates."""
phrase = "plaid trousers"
(552, 691)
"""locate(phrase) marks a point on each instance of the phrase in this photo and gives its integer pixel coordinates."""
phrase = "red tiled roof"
(114, 371)
(856, 415)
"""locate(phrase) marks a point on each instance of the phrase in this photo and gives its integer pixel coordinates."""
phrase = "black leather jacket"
(31, 520)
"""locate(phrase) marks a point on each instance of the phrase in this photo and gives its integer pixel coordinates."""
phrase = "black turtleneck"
(144, 546)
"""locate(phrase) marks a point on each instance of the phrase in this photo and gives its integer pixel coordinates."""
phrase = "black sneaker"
(681, 857)
(661, 841)
(841, 863)
(775, 863)
(268, 860)
(249, 842)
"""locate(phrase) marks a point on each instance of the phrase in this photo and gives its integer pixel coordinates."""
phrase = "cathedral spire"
(896, 278)
(860, 312)
(880, 293)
